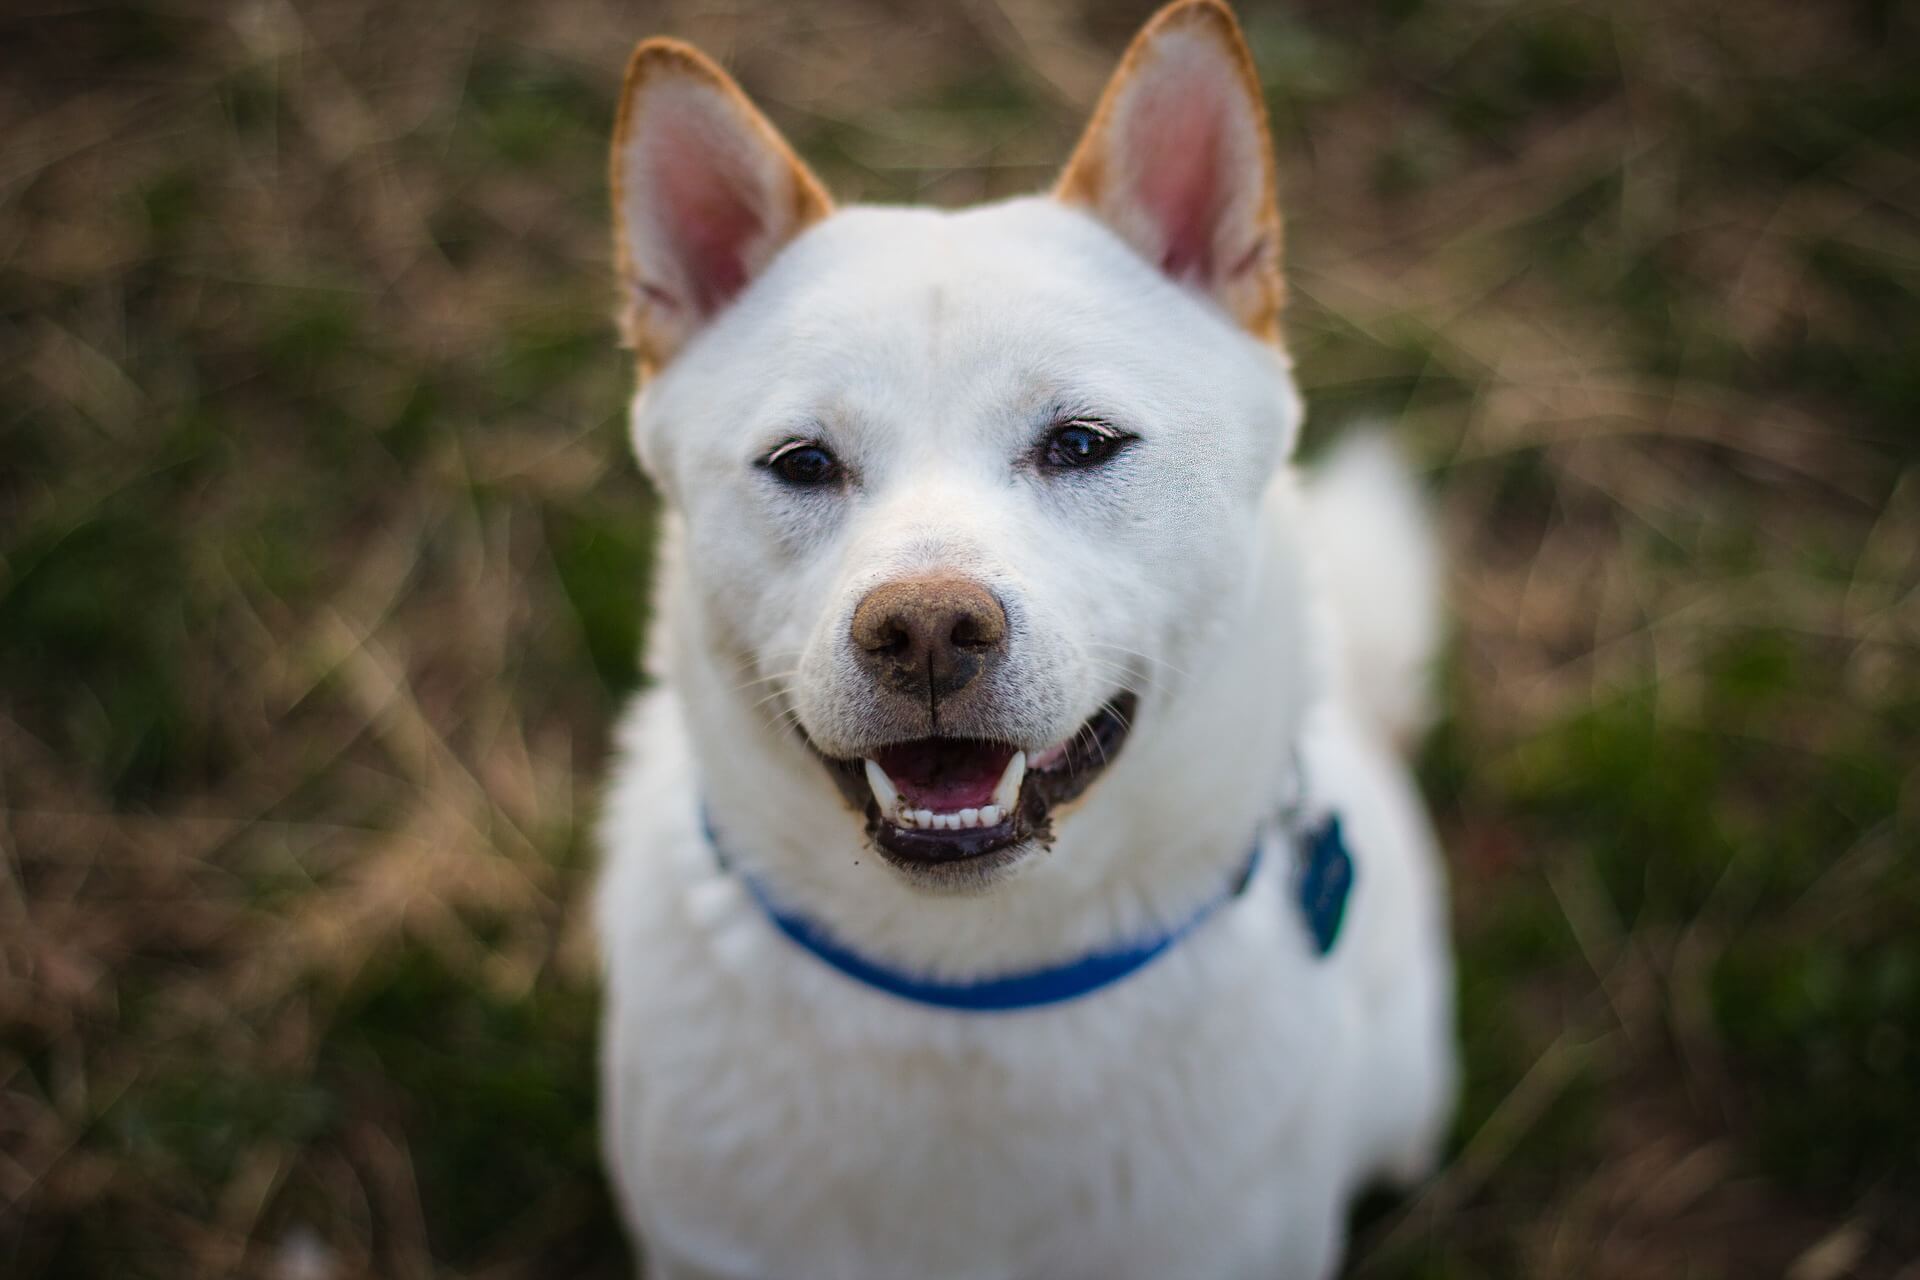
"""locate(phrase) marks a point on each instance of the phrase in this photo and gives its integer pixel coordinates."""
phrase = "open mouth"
(933, 804)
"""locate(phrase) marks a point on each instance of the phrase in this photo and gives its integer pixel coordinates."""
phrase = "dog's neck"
(1212, 756)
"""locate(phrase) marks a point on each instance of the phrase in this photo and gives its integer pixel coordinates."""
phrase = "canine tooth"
(1006, 795)
(884, 791)
(923, 817)
(990, 816)
(969, 817)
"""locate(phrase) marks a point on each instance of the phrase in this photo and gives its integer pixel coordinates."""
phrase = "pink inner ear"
(708, 200)
(1176, 156)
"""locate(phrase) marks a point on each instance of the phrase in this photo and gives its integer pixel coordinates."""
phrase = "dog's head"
(966, 496)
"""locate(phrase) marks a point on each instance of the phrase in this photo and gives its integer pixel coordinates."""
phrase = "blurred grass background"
(323, 568)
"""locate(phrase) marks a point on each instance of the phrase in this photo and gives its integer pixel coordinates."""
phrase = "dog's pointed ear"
(1179, 163)
(705, 193)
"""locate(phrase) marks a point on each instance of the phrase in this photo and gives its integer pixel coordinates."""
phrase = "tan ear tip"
(1212, 16)
(664, 53)
(1182, 12)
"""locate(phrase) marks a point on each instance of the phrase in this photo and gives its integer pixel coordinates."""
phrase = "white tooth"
(946, 821)
(923, 818)
(990, 816)
(884, 791)
(969, 817)
(1006, 796)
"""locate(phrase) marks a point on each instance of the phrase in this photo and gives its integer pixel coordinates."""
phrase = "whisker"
(777, 693)
(773, 655)
(1087, 730)
(785, 722)
(1126, 674)
(1095, 738)
(1135, 653)
(778, 675)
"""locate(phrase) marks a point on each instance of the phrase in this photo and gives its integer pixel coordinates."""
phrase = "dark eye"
(803, 464)
(1080, 444)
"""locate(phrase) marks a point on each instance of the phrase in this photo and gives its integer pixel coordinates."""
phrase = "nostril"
(967, 633)
(893, 639)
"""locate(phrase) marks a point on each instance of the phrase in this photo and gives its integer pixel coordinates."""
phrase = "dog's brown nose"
(929, 637)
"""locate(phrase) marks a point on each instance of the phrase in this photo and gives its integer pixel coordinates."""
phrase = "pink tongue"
(945, 774)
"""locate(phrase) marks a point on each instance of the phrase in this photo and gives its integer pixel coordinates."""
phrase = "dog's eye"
(1080, 444)
(803, 464)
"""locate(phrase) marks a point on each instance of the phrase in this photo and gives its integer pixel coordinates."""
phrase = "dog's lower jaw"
(966, 877)
(961, 869)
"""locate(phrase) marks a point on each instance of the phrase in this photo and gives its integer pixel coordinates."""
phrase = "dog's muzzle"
(955, 794)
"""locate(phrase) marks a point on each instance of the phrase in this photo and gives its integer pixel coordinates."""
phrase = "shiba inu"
(1011, 872)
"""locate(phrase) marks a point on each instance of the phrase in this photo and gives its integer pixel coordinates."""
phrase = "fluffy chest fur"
(796, 1125)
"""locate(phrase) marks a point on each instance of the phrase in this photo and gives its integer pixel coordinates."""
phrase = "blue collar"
(1324, 878)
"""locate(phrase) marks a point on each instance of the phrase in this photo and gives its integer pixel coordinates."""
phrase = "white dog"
(977, 898)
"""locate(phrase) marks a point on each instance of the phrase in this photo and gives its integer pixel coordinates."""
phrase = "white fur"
(1211, 1115)
(1379, 566)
